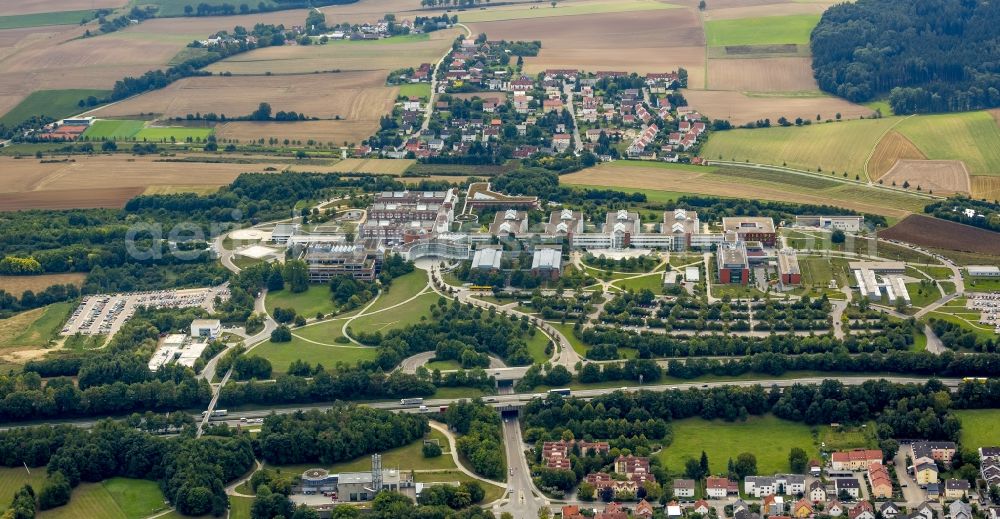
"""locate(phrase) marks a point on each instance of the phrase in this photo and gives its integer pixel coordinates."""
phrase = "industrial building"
(731, 259)
(843, 223)
(325, 261)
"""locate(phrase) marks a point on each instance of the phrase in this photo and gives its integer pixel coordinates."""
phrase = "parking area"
(104, 314)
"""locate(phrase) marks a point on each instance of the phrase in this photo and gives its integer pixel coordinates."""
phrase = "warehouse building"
(983, 271)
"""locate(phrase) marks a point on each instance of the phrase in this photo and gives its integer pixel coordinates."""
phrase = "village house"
(862, 510)
(835, 509)
(701, 507)
(925, 472)
(888, 509)
(848, 485)
(684, 487)
(817, 491)
(772, 505)
(719, 488)
(643, 509)
(857, 459)
(802, 509)
(959, 510)
(878, 478)
(956, 488)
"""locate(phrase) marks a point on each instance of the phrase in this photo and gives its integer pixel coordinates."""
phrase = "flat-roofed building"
(282, 232)
(788, 267)
(621, 226)
(692, 274)
(983, 271)
(879, 267)
(206, 328)
(681, 224)
(547, 262)
(326, 261)
(751, 228)
(843, 223)
(731, 260)
(509, 222)
(479, 197)
(487, 258)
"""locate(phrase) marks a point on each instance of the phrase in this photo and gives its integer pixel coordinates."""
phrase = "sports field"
(172, 134)
(723, 440)
(113, 129)
(766, 30)
(42, 19)
(979, 428)
(50, 103)
(544, 10)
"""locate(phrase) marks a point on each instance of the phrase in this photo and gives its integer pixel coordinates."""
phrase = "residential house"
(773, 505)
(989, 465)
(959, 510)
(684, 487)
(888, 509)
(572, 512)
(878, 478)
(926, 511)
(835, 509)
(802, 509)
(956, 488)
(933, 491)
(643, 509)
(941, 452)
(815, 468)
(817, 491)
(925, 472)
(848, 485)
(555, 455)
(862, 510)
(719, 488)
(856, 459)
(674, 510)
(701, 507)
(612, 511)
(561, 142)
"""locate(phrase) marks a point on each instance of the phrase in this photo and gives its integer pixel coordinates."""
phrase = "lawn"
(116, 498)
(922, 295)
(398, 317)
(56, 104)
(971, 137)
(768, 30)
(982, 284)
(408, 457)
(316, 299)
(12, 479)
(979, 428)
(493, 492)
(43, 19)
(421, 90)
(444, 365)
(136, 497)
(652, 282)
(567, 331)
(114, 130)
(239, 507)
(545, 10)
(282, 354)
(723, 440)
(973, 326)
(842, 438)
(172, 134)
(34, 327)
(536, 346)
(401, 289)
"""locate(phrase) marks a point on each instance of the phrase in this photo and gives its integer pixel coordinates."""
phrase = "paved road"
(434, 81)
(523, 499)
(577, 142)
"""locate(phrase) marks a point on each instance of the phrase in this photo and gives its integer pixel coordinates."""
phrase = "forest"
(926, 56)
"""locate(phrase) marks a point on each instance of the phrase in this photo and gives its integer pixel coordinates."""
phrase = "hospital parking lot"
(104, 314)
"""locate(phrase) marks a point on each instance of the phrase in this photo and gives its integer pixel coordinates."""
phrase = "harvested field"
(561, 10)
(764, 10)
(377, 166)
(183, 30)
(762, 75)
(940, 176)
(740, 108)
(18, 284)
(942, 234)
(102, 181)
(51, 6)
(784, 50)
(351, 96)
(384, 55)
(894, 146)
(986, 187)
(739, 182)
(648, 41)
(972, 137)
(336, 132)
(174, 189)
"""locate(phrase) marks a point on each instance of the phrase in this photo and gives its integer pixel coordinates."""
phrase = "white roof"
(623, 214)
(567, 214)
(511, 214)
(562, 227)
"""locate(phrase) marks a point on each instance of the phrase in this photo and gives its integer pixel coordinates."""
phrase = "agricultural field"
(384, 55)
(633, 41)
(768, 74)
(50, 103)
(18, 284)
(933, 232)
(723, 440)
(114, 129)
(330, 132)
(741, 107)
(52, 6)
(375, 166)
(831, 146)
(889, 150)
(979, 427)
(564, 9)
(767, 30)
(84, 183)
(937, 176)
(19, 21)
(731, 182)
(349, 96)
(972, 137)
